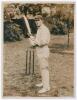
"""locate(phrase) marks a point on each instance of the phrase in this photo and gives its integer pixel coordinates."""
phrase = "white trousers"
(43, 62)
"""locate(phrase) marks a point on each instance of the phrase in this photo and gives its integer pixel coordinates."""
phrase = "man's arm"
(41, 40)
(32, 41)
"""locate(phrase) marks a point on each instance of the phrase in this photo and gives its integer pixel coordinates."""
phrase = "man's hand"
(32, 41)
(32, 38)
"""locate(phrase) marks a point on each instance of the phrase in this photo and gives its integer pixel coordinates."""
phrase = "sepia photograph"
(38, 49)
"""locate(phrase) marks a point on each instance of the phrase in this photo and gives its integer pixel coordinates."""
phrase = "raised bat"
(27, 25)
(31, 39)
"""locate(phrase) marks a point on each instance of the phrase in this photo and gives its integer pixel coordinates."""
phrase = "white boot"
(43, 90)
(39, 85)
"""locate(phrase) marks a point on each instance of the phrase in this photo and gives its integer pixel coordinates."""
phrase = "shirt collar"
(41, 26)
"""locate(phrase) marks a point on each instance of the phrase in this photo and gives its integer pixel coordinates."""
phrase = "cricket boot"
(39, 85)
(43, 90)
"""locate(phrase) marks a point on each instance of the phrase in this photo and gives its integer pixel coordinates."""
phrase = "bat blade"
(27, 25)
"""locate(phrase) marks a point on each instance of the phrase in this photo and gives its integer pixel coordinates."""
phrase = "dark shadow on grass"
(58, 47)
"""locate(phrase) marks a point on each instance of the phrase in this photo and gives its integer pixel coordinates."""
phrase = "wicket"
(29, 61)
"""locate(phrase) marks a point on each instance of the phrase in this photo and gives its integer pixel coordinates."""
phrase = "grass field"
(17, 83)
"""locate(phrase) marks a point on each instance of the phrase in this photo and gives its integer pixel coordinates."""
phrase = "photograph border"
(75, 47)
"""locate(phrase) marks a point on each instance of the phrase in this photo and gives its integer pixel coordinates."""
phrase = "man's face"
(38, 23)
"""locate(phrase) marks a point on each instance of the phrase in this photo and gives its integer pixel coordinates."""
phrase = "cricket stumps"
(30, 61)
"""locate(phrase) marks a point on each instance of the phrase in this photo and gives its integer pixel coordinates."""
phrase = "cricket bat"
(31, 39)
(27, 25)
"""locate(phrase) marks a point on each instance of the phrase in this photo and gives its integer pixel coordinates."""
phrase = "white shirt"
(42, 39)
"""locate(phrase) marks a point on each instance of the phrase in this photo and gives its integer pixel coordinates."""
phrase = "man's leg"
(45, 74)
(39, 84)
